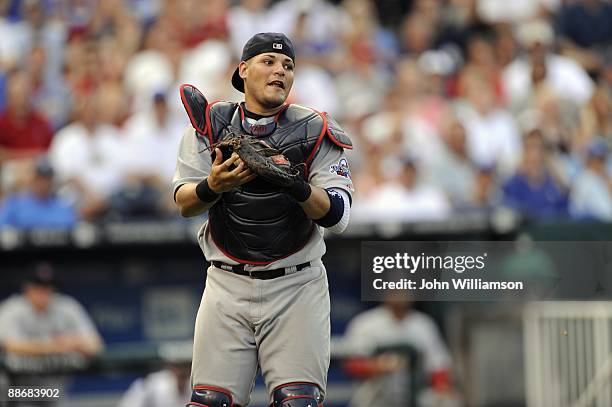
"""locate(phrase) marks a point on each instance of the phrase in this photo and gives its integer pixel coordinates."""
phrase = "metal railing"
(568, 354)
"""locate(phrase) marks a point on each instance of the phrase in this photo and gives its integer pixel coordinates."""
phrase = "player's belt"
(260, 274)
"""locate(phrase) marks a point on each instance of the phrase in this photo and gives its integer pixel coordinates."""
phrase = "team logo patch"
(276, 45)
(341, 168)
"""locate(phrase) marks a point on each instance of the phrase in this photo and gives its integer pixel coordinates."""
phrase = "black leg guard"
(297, 395)
(210, 396)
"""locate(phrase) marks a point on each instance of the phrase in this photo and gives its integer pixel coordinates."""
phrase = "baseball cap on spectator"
(259, 44)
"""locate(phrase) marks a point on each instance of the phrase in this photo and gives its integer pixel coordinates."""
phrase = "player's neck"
(256, 109)
(252, 115)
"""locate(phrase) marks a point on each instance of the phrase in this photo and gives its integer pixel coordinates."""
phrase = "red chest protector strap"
(334, 132)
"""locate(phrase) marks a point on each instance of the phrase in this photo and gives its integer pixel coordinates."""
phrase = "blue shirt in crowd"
(27, 211)
(584, 26)
(542, 201)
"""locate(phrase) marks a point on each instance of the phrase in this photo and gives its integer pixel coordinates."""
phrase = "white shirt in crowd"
(564, 76)
(496, 11)
(590, 197)
(393, 202)
(492, 139)
(91, 159)
(150, 148)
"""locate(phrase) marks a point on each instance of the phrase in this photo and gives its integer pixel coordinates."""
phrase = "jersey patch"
(341, 168)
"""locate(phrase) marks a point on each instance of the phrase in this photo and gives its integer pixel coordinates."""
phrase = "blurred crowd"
(454, 106)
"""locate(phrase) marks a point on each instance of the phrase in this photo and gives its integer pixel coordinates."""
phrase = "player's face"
(38, 295)
(268, 78)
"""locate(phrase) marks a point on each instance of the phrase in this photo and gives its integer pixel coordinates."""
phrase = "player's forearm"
(317, 204)
(29, 348)
(90, 345)
(188, 201)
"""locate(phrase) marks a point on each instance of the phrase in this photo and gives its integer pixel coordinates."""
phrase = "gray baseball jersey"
(20, 321)
(279, 326)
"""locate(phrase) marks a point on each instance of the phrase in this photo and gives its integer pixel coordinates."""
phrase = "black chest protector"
(258, 223)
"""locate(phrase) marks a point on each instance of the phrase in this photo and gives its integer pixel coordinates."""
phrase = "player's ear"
(242, 68)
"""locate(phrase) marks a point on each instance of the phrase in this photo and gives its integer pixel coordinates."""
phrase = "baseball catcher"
(272, 177)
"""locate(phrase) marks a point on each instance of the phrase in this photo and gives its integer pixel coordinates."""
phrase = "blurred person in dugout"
(165, 388)
(391, 342)
(42, 325)
(38, 205)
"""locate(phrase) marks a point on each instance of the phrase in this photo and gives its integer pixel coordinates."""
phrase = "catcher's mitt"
(262, 159)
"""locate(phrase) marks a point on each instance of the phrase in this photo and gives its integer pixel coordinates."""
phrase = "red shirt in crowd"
(32, 133)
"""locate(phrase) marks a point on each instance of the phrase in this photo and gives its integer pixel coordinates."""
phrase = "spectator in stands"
(10, 41)
(495, 11)
(39, 206)
(435, 67)
(167, 387)
(121, 52)
(482, 63)
(383, 130)
(486, 193)
(50, 93)
(365, 39)
(249, 17)
(505, 47)
(493, 137)
(585, 28)
(404, 196)
(563, 75)
(155, 65)
(87, 157)
(417, 34)
(421, 106)
(596, 118)
(591, 195)
(453, 171)
(24, 132)
(534, 190)
(40, 321)
(112, 18)
(394, 324)
(150, 141)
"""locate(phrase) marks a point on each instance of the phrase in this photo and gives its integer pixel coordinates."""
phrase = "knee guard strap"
(210, 396)
(297, 395)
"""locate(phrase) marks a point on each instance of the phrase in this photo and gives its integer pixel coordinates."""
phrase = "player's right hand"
(223, 177)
